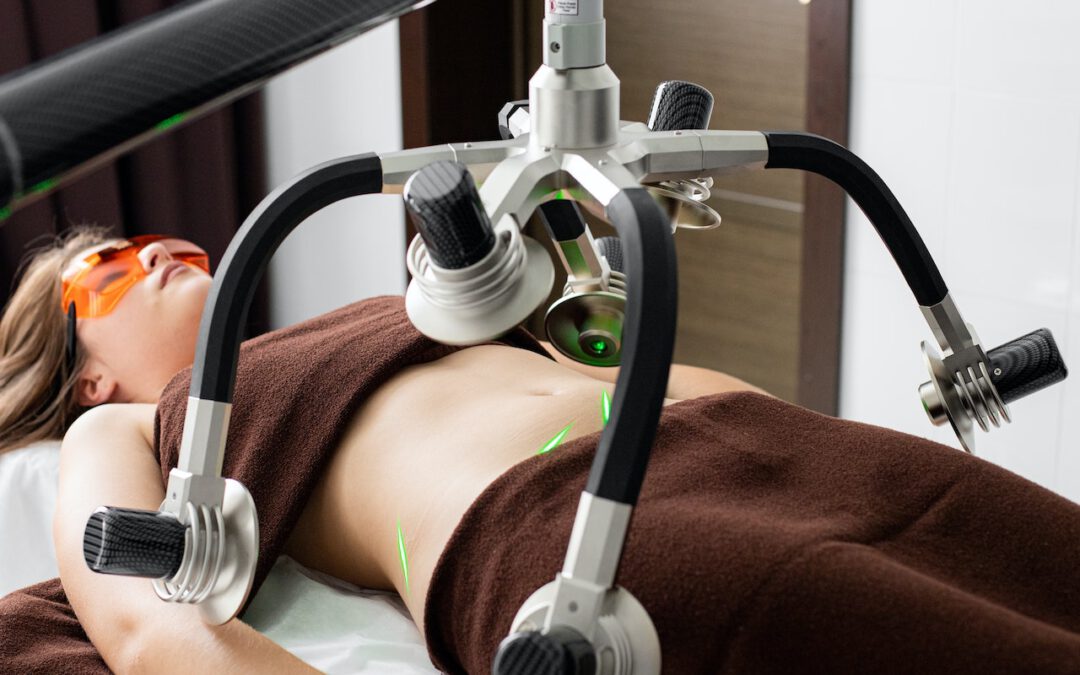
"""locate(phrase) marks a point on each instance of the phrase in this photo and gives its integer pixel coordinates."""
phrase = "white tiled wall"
(970, 111)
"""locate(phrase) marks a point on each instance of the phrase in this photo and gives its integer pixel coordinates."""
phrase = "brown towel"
(771, 539)
(296, 390)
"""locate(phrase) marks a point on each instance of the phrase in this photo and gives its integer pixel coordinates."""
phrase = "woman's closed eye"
(103, 283)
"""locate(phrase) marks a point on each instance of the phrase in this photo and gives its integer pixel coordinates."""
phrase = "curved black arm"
(648, 342)
(795, 150)
(221, 328)
(116, 91)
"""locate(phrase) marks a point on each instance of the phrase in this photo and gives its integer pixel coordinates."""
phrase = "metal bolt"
(602, 162)
(554, 47)
(468, 145)
(997, 372)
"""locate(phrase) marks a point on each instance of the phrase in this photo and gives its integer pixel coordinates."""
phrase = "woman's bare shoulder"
(110, 418)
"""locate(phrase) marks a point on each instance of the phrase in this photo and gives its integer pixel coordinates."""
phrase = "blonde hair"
(33, 346)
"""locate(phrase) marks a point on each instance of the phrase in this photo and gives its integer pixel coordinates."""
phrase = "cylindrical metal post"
(574, 33)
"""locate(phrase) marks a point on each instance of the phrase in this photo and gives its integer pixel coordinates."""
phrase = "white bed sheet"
(28, 484)
(333, 626)
(336, 627)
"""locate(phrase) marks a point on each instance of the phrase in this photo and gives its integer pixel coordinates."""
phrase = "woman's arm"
(683, 381)
(107, 458)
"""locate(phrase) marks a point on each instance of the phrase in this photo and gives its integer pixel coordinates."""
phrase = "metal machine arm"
(567, 143)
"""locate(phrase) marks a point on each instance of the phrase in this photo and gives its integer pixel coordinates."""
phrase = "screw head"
(555, 47)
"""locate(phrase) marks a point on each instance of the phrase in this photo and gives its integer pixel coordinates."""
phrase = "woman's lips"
(170, 269)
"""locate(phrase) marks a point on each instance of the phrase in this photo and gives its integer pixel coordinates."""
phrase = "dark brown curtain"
(198, 182)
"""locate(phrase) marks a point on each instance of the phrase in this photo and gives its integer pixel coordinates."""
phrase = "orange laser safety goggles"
(96, 283)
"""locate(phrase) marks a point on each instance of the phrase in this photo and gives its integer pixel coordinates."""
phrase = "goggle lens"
(99, 281)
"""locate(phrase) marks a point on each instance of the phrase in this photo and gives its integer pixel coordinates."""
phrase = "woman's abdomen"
(423, 447)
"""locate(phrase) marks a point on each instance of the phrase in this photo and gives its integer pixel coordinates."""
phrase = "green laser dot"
(605, 406)
(170, 121)
(599, 346)
(554, 442)
(401, 554)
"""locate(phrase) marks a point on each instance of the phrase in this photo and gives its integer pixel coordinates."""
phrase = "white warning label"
(563, 7)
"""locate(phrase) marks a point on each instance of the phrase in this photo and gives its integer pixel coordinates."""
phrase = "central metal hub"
(577, 108)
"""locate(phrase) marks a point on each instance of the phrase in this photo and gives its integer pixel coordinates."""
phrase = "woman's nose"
(154, 255)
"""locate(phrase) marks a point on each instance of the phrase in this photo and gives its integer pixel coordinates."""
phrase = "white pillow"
(29, 478)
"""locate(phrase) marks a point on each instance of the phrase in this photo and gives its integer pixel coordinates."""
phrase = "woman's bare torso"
(422, 449)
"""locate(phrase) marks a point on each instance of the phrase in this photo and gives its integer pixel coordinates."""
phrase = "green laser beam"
(605, 406)
(170, 121)
(401, 554)
(554, 442)
(47, 184)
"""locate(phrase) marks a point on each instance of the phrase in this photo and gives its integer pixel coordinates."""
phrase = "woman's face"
(134, 350)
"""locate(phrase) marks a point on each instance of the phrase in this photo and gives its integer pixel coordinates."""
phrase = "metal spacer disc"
(241, 553)
(470, 327)
(683, 210)
(958, 416)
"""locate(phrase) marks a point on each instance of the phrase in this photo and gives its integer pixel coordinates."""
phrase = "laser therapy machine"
(475, 276)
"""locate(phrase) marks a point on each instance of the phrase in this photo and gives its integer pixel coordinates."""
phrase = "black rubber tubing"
(648, 251)
(808, 152)
(213, 375)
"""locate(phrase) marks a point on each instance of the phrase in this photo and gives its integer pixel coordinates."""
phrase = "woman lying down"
(767, 538)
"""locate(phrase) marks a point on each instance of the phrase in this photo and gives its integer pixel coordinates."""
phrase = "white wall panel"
(344, 102)
(1011, 192)
(899, 125)
(970, 110)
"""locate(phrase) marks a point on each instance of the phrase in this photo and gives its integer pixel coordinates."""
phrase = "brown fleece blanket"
(771, 539)
(296, 390)
(768, 539)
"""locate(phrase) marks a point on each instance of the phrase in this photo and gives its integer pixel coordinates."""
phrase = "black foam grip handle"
(561, 651)
(680, 105)
(1026, 365)
(446, 208)
(133, 543)
(610, 248)
(67, 110)
(808, 152)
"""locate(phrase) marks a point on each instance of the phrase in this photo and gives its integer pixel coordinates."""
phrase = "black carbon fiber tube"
(678, 104)
(1026, 365)
(611, 248)
(133, 542)
(797, 150)
(109, 94)
(446, 209)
